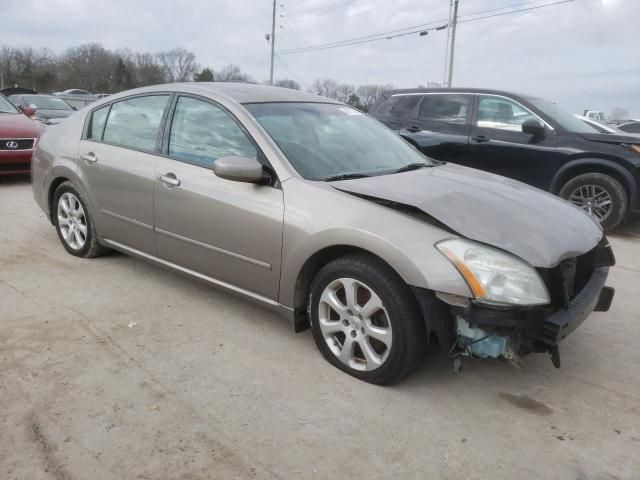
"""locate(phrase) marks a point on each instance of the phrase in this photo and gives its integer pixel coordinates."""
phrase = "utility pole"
(452, 42)
(446, 51)
(273, 41)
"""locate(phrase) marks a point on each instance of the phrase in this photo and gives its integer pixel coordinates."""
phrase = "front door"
(498, 144)
(227, 230)
(116, 166)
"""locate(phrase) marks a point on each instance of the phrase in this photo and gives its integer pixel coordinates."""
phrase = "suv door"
(116, 166)
(227, 230)
(499, 145)
(441, 130)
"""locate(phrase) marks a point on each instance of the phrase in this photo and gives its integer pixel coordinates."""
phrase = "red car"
(18, 136)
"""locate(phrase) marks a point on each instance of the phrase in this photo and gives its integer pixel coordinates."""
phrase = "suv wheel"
(74, 224)
(365, 320)
(599, 195)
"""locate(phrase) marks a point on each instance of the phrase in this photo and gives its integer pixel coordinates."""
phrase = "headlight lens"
(495, 277)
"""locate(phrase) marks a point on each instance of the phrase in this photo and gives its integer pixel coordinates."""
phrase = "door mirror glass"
(533, 126)
(238, 169)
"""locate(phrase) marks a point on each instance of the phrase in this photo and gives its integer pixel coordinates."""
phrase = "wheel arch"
(597, 165)
(312, 266)
(53, 186)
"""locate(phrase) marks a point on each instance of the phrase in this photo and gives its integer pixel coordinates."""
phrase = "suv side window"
(446, 112)
(400, 106)
(135, 122)
(202, 132)
(502, 114)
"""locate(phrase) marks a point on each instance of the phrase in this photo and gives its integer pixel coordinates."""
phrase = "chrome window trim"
(483, 95)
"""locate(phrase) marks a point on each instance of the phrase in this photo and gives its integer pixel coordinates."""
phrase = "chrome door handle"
(169, 179)
(89, 157)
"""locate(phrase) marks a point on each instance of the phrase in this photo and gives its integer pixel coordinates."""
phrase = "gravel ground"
(113, 368)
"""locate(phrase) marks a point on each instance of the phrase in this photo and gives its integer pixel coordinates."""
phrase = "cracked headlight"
(495, 277)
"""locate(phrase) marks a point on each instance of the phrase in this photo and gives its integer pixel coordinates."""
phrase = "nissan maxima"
(314, 209)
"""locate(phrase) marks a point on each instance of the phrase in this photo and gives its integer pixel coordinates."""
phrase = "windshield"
(6, 106)
(564, 119)
(45, 103)
(326, 140)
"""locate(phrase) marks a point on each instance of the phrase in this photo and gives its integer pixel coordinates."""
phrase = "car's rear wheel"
(600, 195)
(365, 320)
(74, 224)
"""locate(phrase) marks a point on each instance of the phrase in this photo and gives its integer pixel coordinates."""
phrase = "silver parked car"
(308, 206)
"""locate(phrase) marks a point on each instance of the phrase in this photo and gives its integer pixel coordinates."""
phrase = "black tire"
(91, 247)
(615, 190)
(409, 341)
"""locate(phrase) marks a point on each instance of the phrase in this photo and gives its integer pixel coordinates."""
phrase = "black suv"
(522, 137)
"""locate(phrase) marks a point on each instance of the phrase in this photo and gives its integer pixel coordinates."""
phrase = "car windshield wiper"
(344, 176)
(413, 166)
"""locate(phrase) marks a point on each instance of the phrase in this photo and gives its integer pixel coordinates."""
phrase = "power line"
(321, 10)
(515, 11)
(387, 35)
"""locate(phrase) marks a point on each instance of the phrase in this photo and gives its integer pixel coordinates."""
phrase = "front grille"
(16, 144)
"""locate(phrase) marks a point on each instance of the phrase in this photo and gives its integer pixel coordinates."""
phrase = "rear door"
(116, 166)
(499, 145)
(227, 230)
(441, 130)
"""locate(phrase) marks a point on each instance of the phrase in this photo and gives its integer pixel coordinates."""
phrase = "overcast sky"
(583, 54)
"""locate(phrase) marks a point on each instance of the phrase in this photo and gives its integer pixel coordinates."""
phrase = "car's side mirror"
(28, 111)
(533, 126)
(239, 169)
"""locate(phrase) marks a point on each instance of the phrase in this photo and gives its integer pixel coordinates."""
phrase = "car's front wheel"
(365, 320)
(74, 223)
(598, 194)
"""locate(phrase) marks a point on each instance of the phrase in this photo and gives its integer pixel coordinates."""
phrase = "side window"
(201, 133)
(16, 100)
(400, 106)
(135, 122)
(98, 121)
(445, 108)
(502, 114)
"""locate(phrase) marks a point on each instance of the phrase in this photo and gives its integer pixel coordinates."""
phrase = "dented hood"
(527, 222)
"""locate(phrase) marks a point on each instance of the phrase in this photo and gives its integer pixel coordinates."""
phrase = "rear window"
(98, 120)
(135, 122)
(445, 108)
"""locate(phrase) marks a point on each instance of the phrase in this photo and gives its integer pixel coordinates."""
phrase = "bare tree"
(325, 87)
(179, 64)
(369, 94)
(232, 73)
(147, 70)
(286, 83)
(90, 67)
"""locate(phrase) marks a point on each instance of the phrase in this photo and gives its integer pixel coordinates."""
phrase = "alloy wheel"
(593, 199)
(354, 324)
(72, 221)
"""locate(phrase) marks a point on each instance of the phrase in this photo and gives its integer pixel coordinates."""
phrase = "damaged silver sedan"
(311, 208)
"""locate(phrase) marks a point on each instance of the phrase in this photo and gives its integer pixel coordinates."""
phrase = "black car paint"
(545, 161)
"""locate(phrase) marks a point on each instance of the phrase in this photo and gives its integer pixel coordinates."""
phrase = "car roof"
(239, 91)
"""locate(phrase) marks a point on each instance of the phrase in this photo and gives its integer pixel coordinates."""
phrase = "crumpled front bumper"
(577, 288)
(594, 297)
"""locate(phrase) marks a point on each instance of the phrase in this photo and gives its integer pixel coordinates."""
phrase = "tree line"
(100, 70)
